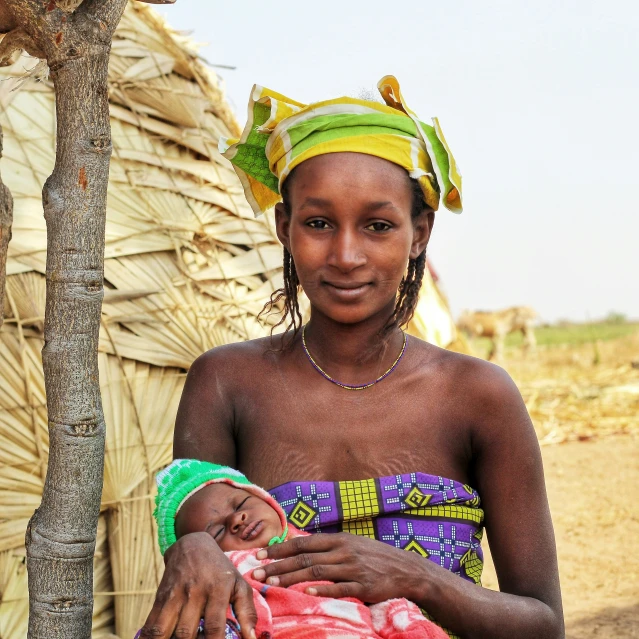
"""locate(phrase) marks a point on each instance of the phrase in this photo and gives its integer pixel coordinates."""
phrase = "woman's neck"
(352, 353)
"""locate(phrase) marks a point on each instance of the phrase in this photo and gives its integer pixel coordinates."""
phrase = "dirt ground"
(591, 489)
(584, 402)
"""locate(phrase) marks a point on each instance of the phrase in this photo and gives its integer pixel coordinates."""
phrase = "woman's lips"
(252, 530)
(347, 291)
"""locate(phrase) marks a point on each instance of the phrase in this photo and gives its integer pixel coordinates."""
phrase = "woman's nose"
(237, 520)
(346, 252)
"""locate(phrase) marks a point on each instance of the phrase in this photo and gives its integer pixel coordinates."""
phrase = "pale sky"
(539, 102)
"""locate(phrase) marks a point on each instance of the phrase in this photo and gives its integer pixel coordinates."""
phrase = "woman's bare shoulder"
(217, 381)
(480, 401)
(226, 372)
(260, 352)
(478, 386)
(458, 367)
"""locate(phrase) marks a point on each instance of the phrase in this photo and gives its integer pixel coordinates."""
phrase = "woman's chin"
(353, 313)
(347, 316)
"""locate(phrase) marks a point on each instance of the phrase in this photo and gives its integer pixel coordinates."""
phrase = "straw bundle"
(570, 398)
(187, 267)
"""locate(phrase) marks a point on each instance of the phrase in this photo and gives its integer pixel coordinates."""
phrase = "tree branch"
(6, 218)
(15, 41)
(7, 23)
(29, 16)
(40, 21)
(108, 12)
(23, 12)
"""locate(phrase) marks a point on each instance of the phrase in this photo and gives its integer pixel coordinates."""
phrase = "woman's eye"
(318, 224)
(378, 226)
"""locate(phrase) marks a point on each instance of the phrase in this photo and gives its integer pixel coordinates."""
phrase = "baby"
(196, 496)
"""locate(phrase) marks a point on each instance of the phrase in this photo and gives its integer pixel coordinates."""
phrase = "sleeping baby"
(196, 496)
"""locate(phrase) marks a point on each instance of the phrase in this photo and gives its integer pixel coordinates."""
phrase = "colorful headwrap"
(281, 133)
(183, 478)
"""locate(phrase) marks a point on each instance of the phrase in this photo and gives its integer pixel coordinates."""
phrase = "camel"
(497, 324)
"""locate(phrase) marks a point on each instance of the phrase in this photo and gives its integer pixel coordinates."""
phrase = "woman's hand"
(199, 582)
(361, 567)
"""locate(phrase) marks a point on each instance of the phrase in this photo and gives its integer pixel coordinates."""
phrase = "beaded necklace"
(324, 374)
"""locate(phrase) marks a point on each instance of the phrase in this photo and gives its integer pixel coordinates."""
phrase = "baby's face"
(235, 518)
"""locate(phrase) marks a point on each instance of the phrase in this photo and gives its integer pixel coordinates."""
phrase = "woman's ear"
(283, 225)
(422, 228)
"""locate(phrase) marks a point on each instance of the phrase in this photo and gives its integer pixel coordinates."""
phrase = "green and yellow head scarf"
(281, 134)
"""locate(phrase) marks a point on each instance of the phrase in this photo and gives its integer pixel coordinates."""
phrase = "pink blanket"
(289, 613)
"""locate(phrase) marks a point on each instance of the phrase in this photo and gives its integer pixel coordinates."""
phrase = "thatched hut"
(187, 268)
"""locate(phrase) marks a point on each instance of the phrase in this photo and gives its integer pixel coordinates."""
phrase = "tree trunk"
(6, 217)
(61, 534)
(60, 538)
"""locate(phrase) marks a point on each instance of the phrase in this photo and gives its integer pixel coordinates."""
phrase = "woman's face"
(235, 518)
(350, 233)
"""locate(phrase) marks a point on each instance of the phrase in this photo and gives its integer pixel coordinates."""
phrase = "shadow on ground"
(611, 623)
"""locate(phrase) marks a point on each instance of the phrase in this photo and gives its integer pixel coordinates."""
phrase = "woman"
(350, 398)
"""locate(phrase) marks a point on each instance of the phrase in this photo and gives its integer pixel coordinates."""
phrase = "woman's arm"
(204, 422)
(509, 477)
(199, 581)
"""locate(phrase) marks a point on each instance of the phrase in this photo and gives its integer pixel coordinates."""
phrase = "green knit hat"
(183, 478)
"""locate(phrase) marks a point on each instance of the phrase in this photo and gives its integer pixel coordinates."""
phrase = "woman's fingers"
(336, 591)
(242, 600)
(316, 570)
(298, 563)
(189, 620)
(312, 543)
(215, 616)
(162, 620)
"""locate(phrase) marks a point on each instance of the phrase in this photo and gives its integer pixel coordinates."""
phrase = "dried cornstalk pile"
(187, 268)
(569, 397)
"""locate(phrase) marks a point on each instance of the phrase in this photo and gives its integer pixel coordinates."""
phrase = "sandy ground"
(592, 492)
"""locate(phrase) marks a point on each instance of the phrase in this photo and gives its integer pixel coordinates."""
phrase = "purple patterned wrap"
(437, 518)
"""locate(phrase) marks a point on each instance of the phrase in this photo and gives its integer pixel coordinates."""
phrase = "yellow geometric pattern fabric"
(413, 546)
(461, 513)
(302, 515)
(417, 499)
(363, 527)
(472, 565)
(359, 499)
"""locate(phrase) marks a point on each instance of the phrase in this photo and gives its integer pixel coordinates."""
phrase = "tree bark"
(6, 217)
(60, 539)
